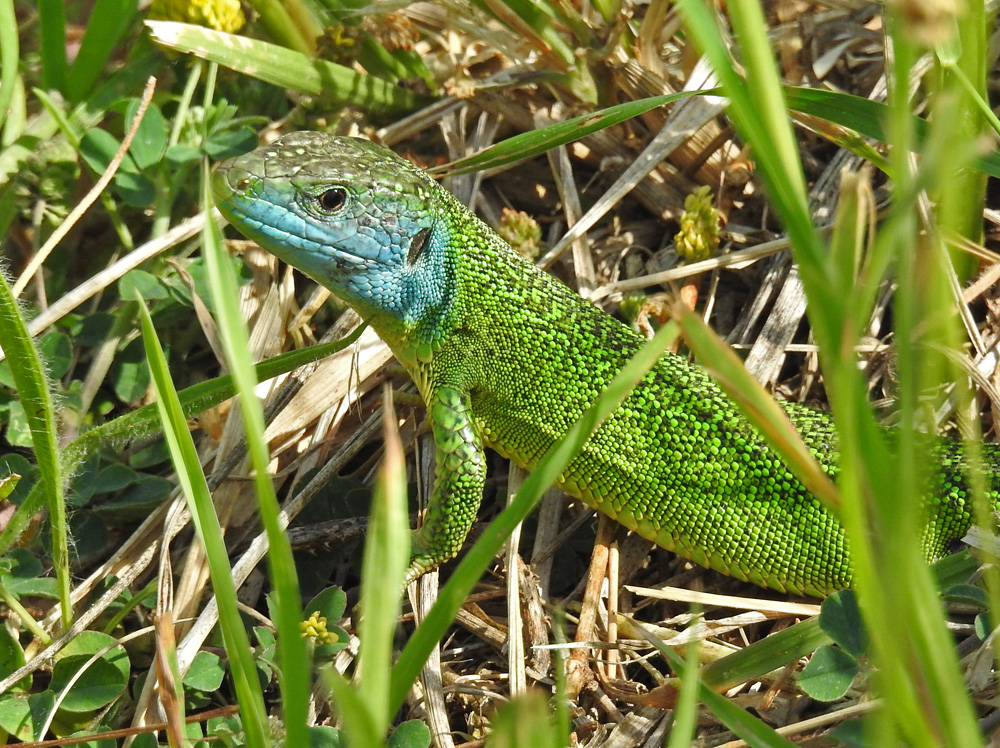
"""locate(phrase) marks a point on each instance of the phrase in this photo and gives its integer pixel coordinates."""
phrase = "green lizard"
(507, 357)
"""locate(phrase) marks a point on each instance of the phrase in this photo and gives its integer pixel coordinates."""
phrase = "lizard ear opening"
(417, 245)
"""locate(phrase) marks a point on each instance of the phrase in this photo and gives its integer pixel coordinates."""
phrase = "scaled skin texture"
(508, 358)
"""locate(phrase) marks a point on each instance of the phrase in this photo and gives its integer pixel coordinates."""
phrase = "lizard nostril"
(244, 184)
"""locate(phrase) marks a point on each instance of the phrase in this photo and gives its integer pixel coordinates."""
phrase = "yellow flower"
(315, 628)
(701, 227)
(221, 15)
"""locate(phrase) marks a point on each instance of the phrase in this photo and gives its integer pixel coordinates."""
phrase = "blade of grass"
(531, 143)
(9, 56)
(386, 556)
(851, 116)
(52, 35)
(356, 714)
(108, 21)
(198, 398)
(745, 725)
(284, 579)
(866, 117)
(682, 731)
(453, 594)
(274, 16)
(286, 68)
(28, 371)
(199, 500)
(765, 655)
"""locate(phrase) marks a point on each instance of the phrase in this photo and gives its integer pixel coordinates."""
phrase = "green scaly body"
(507, 357)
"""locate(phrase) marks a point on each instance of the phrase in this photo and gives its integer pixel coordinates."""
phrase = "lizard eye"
(333, 199)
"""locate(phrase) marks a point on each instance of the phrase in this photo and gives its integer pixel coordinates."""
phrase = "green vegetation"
(125, 328)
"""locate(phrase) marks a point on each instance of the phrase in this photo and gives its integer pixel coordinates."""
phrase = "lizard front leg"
(459, 476)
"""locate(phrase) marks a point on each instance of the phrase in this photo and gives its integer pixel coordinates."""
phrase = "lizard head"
(347, 212)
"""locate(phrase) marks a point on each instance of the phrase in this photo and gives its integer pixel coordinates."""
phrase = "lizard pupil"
(417, 246)
(333, 199)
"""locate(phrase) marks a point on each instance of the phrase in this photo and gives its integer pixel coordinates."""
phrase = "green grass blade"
(764, 655)
(285, 67)
(274, 16)
(529, 144)
(856, 116)
(28, 371)
(866, 117)
(9, 56)
(199, 499)
(145, 421)
(52, 33)
(108, 21)
(453, 594)
(682, 731)
(386, 556)
(284, 578)
(354, 712)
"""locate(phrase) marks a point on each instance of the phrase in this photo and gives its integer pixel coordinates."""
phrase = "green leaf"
(955, 568)
(829, 674)
(228, 143)
(154, 453)
(57, 352)
(330, 603)
(112, 479)
(840, 618)
(531, 143)
(90, 536)
(24, 575)
(150, 141)
(92, 329)
(12, 658)
(322, 736)
(90, 642)
(98, 686)
(98, 147)
(181, 154)
(150, 286)
(15, 464)
(52, 24)
(966, 594)
(206, 673)
(864, 116)
(105, 743)
(130, 374)
(22, 714)
(137, 190)
(138, 500)
(412, 734)
(18, 428)
(7, 484)
(765, 655)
